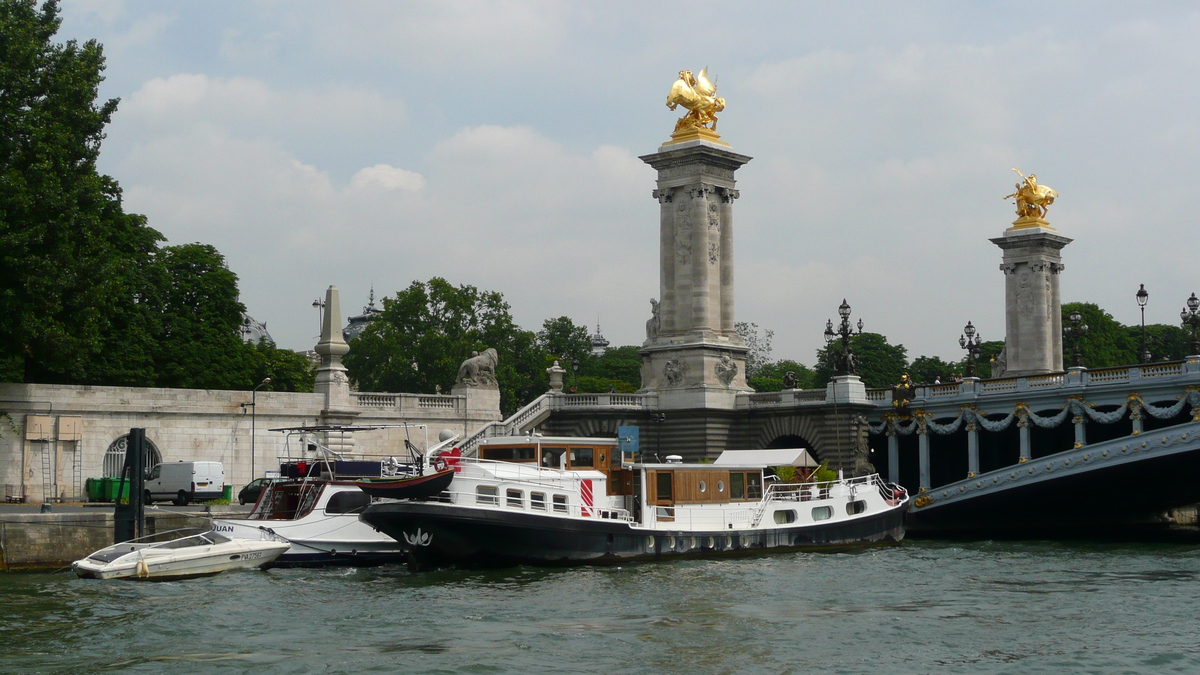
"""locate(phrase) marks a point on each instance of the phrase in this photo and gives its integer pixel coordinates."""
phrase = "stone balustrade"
(409, 402)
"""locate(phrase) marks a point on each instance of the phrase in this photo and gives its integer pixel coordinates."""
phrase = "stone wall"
(53, 540)
(189, 424)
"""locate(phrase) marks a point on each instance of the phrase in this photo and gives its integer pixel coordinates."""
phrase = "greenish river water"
(923, 607)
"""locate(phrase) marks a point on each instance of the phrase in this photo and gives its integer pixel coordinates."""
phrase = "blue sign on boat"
(627, 439)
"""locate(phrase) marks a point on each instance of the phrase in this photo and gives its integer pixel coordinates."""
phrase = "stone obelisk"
(1032, 304)
(693, 356)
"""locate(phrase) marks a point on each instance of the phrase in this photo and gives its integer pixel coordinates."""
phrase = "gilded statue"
(1032, 199)
(699, 95)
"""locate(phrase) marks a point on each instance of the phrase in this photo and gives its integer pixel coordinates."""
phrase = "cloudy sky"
(496, 144)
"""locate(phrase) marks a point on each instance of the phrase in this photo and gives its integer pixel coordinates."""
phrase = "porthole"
(720, 486)
(822, 513)
(703, 487)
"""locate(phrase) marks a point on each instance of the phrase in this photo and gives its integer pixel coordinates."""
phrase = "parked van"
(184, 482)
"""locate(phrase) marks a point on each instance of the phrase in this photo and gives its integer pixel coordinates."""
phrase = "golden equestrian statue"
(699, 95)
(1032, 199)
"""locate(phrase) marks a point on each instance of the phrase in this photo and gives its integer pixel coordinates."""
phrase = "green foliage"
(988, 351)
(561, 339)
(1165, 343)
(879, 363)
(1106, 343)
(770, 376)
(824, 474)
(786, 473)
(620, 367)
(428, 329)
(929, 369)
(70, 259)
(288, 370)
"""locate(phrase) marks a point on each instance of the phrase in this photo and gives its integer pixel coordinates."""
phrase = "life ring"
(438, 463)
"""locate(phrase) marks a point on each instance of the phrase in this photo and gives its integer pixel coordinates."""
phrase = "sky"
(370, 144)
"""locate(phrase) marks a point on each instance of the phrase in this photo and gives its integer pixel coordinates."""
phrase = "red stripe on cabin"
(585, 489)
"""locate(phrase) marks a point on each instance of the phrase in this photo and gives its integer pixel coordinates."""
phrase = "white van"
(184, 482)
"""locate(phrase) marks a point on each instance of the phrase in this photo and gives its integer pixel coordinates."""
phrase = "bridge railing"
(409, 402)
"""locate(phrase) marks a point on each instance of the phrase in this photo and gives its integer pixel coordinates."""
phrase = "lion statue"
(479, 370)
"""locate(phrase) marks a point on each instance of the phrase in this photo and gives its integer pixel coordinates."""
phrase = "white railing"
(999, 385)
(409, 402)
(785, 398)
(1042, 381)
(944, 390)
(879, 394)
(500, 502)
(1108, 375)
(1165, 370)
(533, 413)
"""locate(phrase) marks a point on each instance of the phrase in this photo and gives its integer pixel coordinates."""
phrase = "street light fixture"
(1142, 296)
(253, 405)
(658, 419)
(970, 341)
(1073, 333)
(844, 331)
(1190, 319)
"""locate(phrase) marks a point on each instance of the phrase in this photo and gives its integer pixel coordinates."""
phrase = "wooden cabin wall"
(687, 486)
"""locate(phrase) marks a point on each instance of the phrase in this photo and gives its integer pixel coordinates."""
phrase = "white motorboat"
(577, 501)
(177, 554)
(315, 507)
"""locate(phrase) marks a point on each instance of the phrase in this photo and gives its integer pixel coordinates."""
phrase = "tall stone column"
(331, 380)
(695, 358)
(1032, 302)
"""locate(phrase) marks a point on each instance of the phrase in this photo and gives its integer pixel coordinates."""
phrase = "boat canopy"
(778, 457)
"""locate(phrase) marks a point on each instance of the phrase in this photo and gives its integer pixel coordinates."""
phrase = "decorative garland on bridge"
(922, 422)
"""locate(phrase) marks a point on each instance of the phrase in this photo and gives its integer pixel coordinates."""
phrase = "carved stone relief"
(673, 372)
(1025, 293)
(726, 370)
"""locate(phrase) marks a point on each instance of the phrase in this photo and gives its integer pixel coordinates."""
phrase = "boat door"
(661, 494)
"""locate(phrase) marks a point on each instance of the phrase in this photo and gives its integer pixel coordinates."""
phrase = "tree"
(1106, 343)
(70, 259)
(770, 376)
(288, 370)
(561, 339)
(879, 363)
(1164, 342)
(619, 368)
(760, 345)
(929, 369)
(200, 345)
(426, 331)
(988, 352)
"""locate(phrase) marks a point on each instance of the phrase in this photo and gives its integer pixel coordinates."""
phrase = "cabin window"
(509, 454)
(785, 516)
(552, 457)
(663, 482)
(537, 500)
(487, 494)
(737, 485)
(754, 485)
(515, 498)
(560, 503)
(856, 507)
(348, 502)
(822, 512)
(703, 487)
(721, 486)
(581, 457)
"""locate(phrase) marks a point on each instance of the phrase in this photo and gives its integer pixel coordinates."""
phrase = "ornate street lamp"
(1073, 333)
(970, 342)
(1142, 296)
(845, 363)
(1190, 319)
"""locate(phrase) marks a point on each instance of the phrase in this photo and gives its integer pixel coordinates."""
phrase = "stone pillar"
(1080, 431)
(893, 456)
(923, 449)
(331, 378)
(696, 359)
(1026, 450)
(972, 450)
(1033, 305)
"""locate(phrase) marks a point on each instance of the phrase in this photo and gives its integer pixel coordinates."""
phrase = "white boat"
(570, 501)
(316, 508)
(178, 554)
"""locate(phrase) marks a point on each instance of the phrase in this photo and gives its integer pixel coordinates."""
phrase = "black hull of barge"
(439, 534)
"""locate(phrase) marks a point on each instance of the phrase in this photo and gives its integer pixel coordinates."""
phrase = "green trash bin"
(110, 489)
(227, 495)
(95, 489)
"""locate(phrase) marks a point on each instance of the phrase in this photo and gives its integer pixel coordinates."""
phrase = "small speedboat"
(178, 554)
(408, 487)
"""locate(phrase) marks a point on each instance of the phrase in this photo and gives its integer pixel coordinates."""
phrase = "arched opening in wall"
(114, 457)
(790, 441)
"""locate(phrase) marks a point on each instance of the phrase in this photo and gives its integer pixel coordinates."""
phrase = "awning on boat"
(775, 457)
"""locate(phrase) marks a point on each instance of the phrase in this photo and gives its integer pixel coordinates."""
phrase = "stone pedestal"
(480, 399)
(846, 389)
(693, 356)
(1033, 306)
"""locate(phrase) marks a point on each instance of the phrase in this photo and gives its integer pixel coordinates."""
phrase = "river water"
(922, 607)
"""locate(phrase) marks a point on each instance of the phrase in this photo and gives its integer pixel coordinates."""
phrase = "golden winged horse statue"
(699, 95)
(1032, 199)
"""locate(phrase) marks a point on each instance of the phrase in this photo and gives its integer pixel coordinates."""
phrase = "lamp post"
(970, 341)
(253, 404)
(575, 367)
(844, 331)
(1190, 319)
(318, 305)
(1073, 333)
(1142, 296)
(658, 419)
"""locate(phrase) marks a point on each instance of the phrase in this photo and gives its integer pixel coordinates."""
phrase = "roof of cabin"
(774, 457)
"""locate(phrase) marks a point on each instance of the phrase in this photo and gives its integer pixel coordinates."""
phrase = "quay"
(31, 540)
